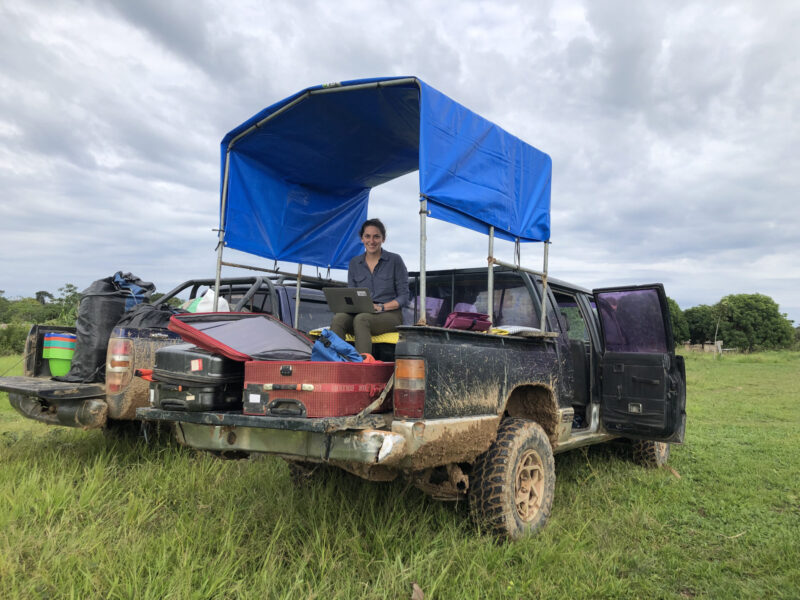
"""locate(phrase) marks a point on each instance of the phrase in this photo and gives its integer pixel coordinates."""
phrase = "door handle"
(645, 380)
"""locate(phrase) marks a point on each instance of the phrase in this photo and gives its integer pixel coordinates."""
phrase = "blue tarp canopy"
(296, 177)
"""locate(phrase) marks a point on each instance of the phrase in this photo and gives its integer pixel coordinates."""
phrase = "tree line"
(44, 307)
(18, 314)
(748, 322)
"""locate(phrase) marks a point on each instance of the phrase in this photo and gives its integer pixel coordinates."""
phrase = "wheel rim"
(529, 489)
(662, 451)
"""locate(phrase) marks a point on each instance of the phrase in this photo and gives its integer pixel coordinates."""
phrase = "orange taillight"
(409, 392)
(118, 364)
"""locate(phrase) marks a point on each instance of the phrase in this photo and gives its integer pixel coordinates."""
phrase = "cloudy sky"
(674, 129)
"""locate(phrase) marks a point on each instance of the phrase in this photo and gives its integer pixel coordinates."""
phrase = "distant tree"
(701, 321)
(753, 322)
(42, 296)
(28, 310)
(68, 300)
(4, 303)
(69, 293)
(680, 326)
(173, 302)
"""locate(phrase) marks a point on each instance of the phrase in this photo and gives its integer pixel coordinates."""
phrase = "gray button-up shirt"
(389, 280)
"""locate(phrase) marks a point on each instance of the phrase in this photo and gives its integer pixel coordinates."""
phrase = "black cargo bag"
(102, 304)
(148, 316)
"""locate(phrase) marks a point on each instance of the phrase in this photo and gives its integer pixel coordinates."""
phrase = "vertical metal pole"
(423, 213)
(490, 276)
(221, 242)
(544, 287)
(297, 297)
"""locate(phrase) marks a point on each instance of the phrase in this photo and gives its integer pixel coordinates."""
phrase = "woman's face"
(372, 239)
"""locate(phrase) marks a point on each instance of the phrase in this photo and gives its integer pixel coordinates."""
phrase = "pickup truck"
(474, 415)
(479, 416)
(112, 405)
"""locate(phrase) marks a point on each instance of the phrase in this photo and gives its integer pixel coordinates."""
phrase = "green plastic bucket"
(58, 349)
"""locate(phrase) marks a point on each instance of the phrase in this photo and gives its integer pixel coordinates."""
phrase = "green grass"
(86, 517)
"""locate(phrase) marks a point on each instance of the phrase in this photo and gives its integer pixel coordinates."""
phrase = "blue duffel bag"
(329, 347)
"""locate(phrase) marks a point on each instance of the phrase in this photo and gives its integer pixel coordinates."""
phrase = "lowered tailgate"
(57, 402)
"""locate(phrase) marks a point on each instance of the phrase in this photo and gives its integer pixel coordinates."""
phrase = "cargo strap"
(373, 389)
(379, 400)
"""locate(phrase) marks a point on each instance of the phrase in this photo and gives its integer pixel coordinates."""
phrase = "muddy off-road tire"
(513, 482)
(650, 454)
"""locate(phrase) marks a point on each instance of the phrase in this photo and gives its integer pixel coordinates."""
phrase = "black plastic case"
(192, 379)
(169, 396)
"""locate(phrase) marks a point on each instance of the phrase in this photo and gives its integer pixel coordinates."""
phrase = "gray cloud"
(671, 127)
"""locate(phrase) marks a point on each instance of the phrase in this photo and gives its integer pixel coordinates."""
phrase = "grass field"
(86, 517)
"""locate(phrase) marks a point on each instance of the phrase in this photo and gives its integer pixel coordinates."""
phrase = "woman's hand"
(387, 306)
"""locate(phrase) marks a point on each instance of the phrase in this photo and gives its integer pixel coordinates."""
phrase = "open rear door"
(643, 383)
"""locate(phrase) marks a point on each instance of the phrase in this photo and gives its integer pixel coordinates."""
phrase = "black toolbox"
(192, 379)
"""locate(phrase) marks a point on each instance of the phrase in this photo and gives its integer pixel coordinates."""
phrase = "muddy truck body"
(112, 403)
(477, 416)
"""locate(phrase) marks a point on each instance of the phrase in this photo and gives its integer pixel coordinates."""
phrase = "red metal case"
(313, 389)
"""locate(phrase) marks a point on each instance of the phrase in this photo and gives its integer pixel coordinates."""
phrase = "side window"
(633, 321)
(571, 316)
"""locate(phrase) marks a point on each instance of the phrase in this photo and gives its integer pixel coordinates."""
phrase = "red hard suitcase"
(313, 389)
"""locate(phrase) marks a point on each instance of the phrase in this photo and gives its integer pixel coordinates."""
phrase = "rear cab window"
(467, 292)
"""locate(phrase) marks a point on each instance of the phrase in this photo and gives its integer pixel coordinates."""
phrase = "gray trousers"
(365, 325)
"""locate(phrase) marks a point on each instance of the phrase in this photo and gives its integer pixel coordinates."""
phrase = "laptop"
(349, 300)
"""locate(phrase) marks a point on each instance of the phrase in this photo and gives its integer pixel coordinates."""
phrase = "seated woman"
(385, 275)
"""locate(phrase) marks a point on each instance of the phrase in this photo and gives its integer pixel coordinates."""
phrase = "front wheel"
(513, 482)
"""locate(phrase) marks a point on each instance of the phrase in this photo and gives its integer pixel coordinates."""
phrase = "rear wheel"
(513, 483)
(650, 454)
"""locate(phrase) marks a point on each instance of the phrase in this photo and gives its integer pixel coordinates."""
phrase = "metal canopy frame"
(423, 213)
(326, 89)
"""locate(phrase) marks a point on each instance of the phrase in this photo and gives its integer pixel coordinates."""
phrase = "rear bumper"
(368, 446)
(374, 440)
(85, 414)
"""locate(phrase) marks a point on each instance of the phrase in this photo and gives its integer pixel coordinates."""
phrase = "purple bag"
(471, 321)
